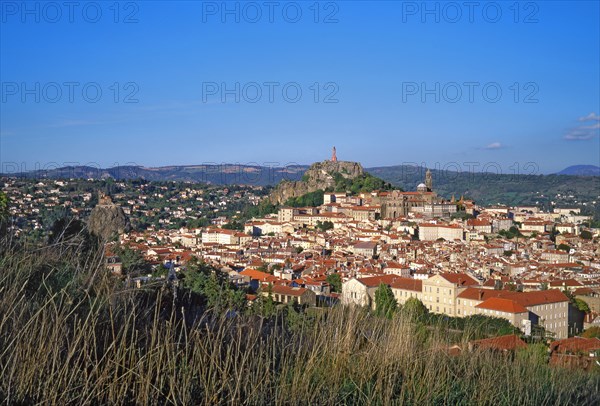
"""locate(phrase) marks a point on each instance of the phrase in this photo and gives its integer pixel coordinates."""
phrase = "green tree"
(335, 281)
(414, 309)
(296, 320)
(385, 303)
(132, 260)
(3, 207)
(586, 235)
(213, 286)
(233, 225)
(236, 298)
(265, 305)
(564, 247)
(324, 226)
(160, 270)
(312, 199)
(213, 292)
(579, 304)
(582, 305)
(511, 233)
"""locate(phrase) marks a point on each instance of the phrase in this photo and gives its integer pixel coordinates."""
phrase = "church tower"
(428, 181)
(333, 156)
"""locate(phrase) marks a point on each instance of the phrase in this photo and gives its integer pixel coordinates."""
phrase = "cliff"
(107, 219)
(319, 176)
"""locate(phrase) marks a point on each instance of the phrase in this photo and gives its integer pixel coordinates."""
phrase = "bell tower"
(428, 181)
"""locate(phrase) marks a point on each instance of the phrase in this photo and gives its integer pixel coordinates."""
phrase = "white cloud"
(584, 132)
(580, 134)
(493, 145)
(590, 117)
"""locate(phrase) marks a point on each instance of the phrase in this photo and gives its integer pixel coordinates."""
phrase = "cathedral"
(396, 203)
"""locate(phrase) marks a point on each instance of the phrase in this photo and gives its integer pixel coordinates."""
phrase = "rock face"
(318, 176)
(107, 219)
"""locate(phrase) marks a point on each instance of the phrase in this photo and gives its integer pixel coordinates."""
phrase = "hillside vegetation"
(326, 176)
(364, 182)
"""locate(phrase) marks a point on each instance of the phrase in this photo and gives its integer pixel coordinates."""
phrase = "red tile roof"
(525, 299)
(503, 305)
(575, 344)
(507, 342)
(460, 279)
(407, 284)
(288, 290)
(258, 275)
(539, 297)
(376, 280)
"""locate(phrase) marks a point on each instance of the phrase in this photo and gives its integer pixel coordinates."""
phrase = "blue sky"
(396, 83)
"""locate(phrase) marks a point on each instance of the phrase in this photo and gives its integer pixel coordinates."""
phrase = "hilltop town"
(540, 271)
(177, 226)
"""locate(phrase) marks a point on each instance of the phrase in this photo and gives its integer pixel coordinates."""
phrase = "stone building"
(396, 203)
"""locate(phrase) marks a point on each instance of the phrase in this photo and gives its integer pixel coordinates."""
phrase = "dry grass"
(94, 341)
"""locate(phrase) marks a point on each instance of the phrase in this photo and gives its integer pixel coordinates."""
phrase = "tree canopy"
(312, 199)
(335, 282)
(363, 183)
(385, 303)
(414, 309)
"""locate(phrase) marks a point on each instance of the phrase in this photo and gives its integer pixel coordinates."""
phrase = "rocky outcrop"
(107, 219)
(319, 176)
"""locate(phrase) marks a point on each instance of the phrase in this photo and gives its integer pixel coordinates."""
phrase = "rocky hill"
(320, 176)
(107, 219)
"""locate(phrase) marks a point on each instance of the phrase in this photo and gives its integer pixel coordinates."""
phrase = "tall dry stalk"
(76, 343)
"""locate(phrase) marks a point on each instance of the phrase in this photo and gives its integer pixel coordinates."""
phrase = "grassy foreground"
(70, 334)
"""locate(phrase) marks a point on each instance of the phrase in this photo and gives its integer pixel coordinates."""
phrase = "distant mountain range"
(486, 188)
(581, 170)
(225, 174)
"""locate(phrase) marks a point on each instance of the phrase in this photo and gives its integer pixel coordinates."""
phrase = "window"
(438, 290)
